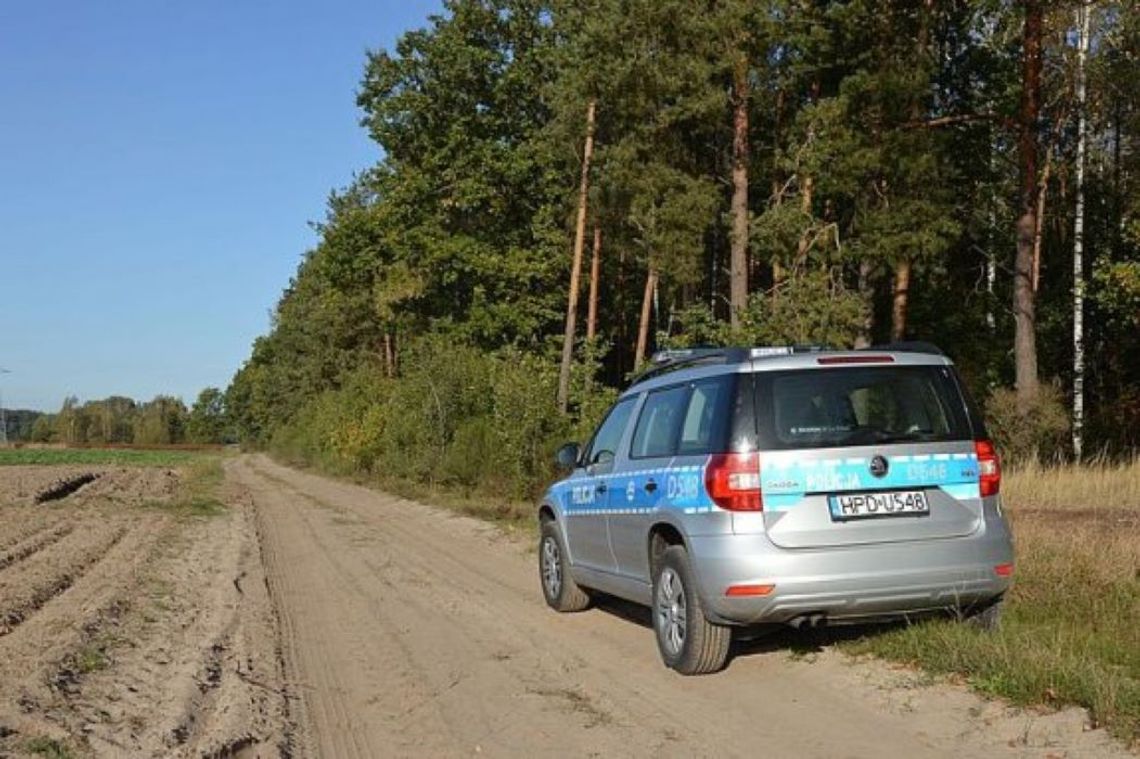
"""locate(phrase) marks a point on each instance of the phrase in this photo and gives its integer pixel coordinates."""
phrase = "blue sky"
(160, 162)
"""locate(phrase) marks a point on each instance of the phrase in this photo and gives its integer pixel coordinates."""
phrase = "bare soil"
(318, 618)
(131, 630)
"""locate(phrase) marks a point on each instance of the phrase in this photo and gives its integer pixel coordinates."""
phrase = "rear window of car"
(833, 407)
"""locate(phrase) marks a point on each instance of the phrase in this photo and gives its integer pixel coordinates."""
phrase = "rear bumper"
(849, 583)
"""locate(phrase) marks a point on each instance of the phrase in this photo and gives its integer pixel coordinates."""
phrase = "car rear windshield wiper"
(866, 435)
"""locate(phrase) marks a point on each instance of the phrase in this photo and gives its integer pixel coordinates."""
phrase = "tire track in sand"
(411, 631)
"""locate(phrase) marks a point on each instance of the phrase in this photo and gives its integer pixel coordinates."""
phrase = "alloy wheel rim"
(671, 612)
(551, 567)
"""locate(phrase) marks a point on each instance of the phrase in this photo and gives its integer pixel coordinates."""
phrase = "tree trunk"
(1079, 239)
(899, 304)
(576, 265)
(738, 284)
(1024, 300)
(807, 187)
(1039, 219)
(777, 184)
(623, 322)
(917, 110)
(991, 248)
(595, 275)
(389, 355)
(643, 324)
(1042, 196)
(867, 294)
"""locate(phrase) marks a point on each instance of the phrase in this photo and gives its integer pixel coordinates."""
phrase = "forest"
(565, 187)
(119, 420)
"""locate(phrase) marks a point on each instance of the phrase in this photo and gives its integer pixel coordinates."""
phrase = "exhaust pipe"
(808, 621)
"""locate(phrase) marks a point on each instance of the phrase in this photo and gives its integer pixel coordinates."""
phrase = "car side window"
(605, 442)
(659, 423)
(706, 419)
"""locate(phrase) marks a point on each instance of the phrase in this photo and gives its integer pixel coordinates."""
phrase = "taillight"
(833, 360)
(989, 468)
(733, 481)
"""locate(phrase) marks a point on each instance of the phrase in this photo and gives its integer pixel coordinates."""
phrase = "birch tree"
(1083, 13)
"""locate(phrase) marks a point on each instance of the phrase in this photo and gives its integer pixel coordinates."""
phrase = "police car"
(749, 486)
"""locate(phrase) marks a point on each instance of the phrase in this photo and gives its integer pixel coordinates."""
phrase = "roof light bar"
(770, 350)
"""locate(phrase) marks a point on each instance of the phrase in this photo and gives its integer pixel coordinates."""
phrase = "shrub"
(456, 416)
(472, 457)
(1038, 432)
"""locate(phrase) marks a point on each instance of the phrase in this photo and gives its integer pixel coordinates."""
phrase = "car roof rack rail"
(670, 360)
(908, 346)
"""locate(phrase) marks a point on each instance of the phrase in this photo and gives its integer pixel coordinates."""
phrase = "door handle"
(601, 487)
(650, 486)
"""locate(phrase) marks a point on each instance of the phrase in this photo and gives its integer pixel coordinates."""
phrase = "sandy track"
(406, 630)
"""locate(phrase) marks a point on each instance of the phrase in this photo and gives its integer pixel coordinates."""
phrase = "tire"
(987, 618)
(558, 586)
(688, 642)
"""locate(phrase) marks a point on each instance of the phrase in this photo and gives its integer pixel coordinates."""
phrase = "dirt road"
(313, 618)
(406, 630)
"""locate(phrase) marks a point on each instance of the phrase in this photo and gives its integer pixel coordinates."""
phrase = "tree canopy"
(883, 183)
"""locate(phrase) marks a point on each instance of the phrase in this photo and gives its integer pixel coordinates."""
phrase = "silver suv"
(751, 486)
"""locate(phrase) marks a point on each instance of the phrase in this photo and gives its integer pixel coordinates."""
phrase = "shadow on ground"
(759, 640)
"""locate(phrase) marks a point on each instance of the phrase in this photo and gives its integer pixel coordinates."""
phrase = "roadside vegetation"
(1069, 634)
(479, 425)
(1098, 484)
(199, 492)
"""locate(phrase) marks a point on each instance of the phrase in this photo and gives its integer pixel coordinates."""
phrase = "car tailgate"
(799, 488)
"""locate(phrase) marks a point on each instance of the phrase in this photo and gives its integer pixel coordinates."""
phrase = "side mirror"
(567, 456)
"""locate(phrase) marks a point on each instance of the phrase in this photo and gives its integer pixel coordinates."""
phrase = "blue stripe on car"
(785, 480)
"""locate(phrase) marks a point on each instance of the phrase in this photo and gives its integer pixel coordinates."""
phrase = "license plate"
(895, 503)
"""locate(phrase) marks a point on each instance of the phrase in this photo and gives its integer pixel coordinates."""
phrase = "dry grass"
(1095, 485)
(1071, 630)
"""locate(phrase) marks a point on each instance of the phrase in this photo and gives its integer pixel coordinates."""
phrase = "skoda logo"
(879, 466)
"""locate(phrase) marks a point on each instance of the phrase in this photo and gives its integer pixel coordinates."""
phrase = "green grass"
(199, 492)
(1071, 629)
(47, 747)
(97, 457)
(92, 658)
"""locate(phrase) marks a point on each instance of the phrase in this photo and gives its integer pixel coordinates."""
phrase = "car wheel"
(558, 587)
(688, 642)
(987, 618)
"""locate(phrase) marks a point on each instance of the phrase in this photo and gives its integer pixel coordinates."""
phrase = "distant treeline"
(19, 423)
(118, 420)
